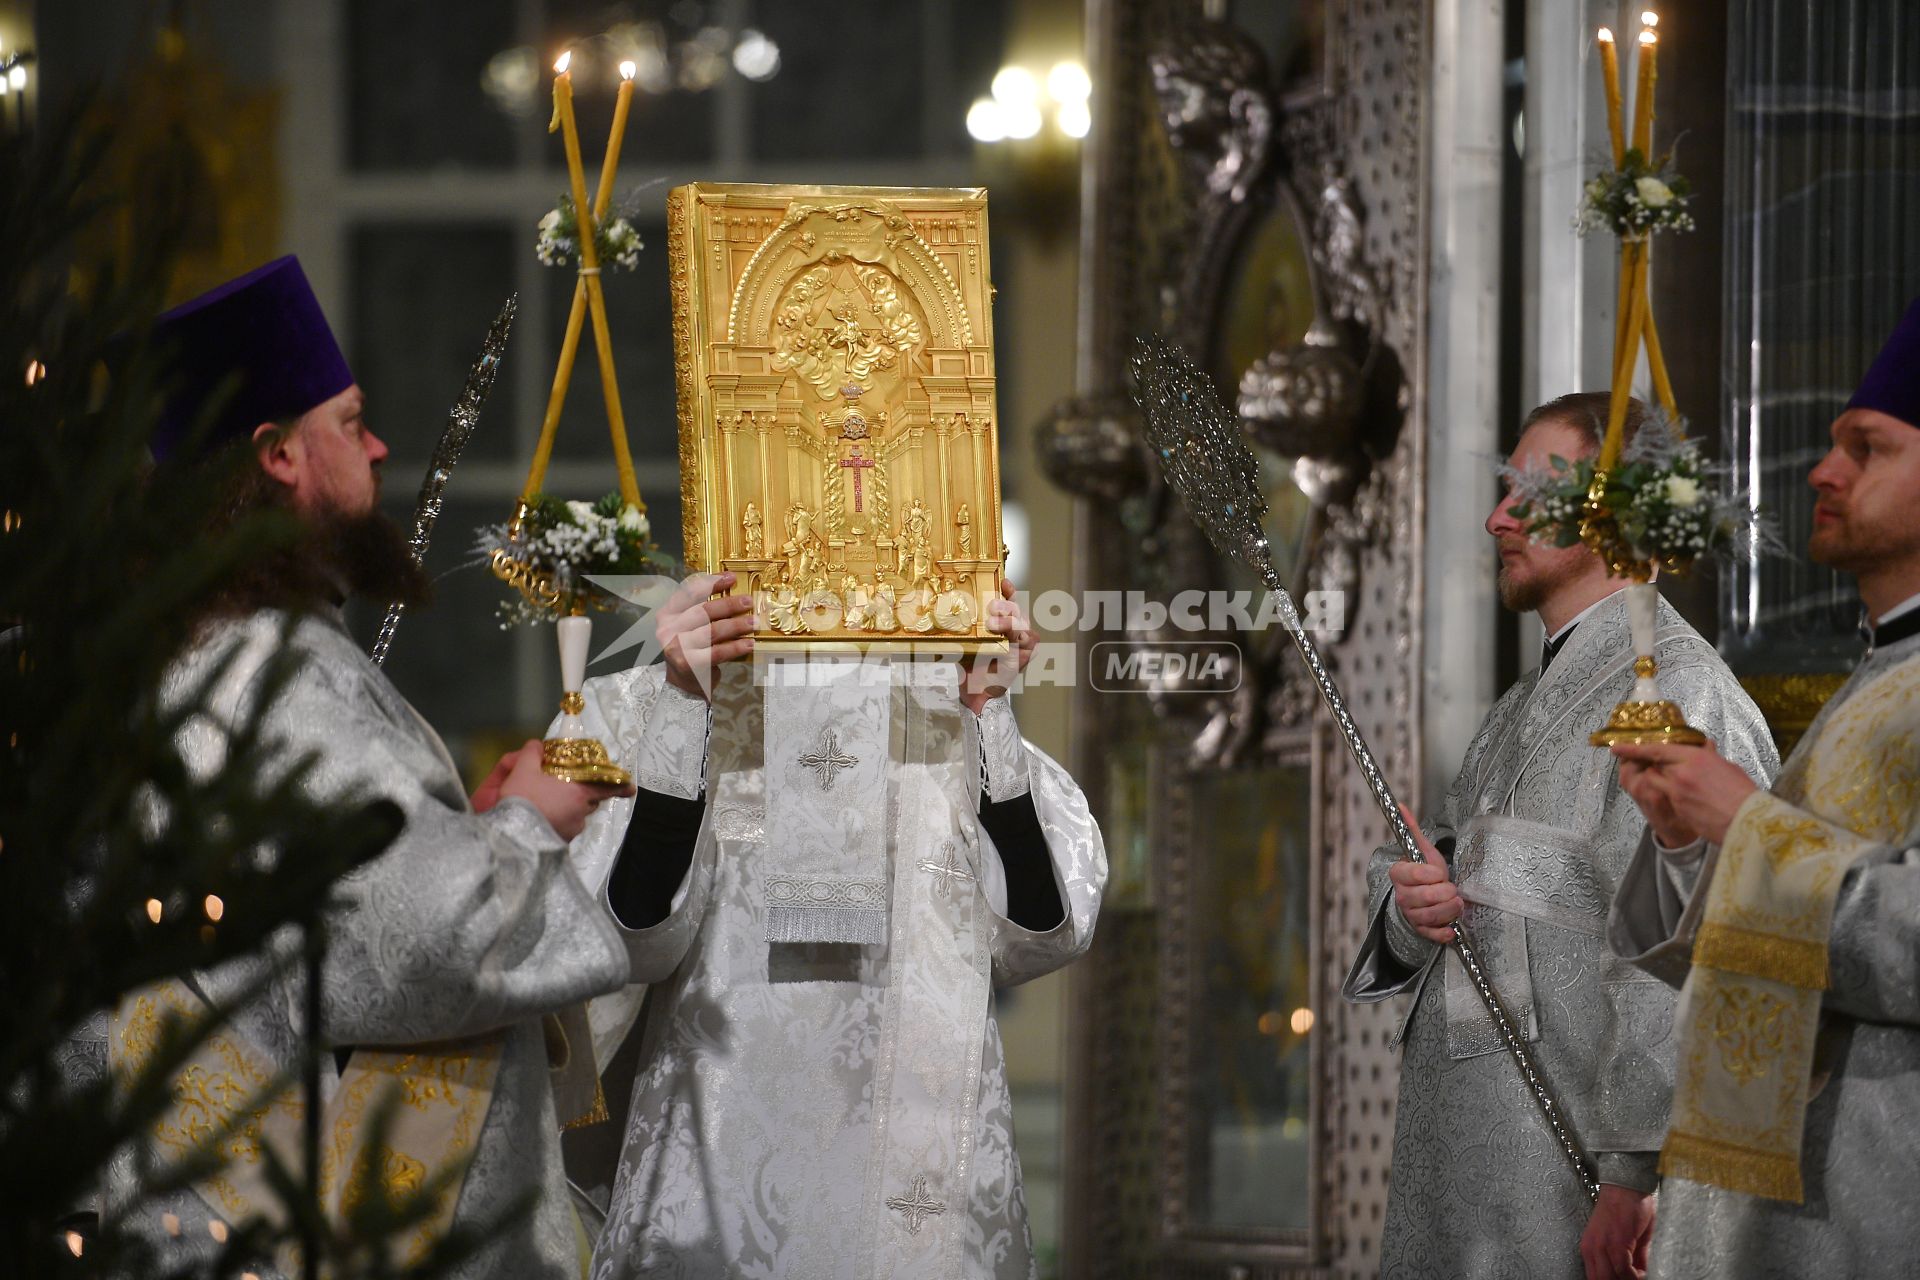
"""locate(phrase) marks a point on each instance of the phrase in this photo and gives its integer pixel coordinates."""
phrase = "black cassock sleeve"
(1033, 899)
(661, 833)
(654, 858)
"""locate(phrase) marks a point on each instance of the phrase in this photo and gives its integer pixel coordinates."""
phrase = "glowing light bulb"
(1023, 119)
(1074, 118)
(1015, 85)
(986, 120)
(1069, 82)
(756, 56)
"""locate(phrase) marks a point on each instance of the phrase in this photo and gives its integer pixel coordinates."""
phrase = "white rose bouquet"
(1668, 505)
(560, 545)
(1637, 199)
(616, 241)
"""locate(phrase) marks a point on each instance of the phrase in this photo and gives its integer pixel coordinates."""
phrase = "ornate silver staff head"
(1202, 451)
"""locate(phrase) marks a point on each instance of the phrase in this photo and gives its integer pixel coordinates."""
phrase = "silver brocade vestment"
(1539, 826)
(1860, 1157)
(828, 1111)
(468, 926)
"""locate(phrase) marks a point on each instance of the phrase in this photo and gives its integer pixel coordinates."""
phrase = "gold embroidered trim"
(443, 1102)
(598, 1115)
(1797, 962)
(226, 1099)
(1723, 1164)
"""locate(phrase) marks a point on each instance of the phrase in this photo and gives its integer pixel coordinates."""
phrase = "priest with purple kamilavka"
(1789, 917)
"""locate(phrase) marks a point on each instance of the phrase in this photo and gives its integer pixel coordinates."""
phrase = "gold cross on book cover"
(838, 446)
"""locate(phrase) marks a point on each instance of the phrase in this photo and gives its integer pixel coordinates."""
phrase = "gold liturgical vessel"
(833, 348)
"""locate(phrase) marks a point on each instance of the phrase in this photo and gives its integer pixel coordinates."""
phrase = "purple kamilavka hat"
(266, 327)
(1892, 384)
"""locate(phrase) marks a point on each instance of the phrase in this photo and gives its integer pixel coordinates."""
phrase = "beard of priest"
(1865, 520)
(1555, 582)
(323, 468)
(258, 394)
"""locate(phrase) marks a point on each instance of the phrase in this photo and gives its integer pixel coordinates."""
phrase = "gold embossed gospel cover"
(838, 446)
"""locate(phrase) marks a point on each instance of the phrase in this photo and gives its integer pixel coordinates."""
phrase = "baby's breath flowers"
(616, 240)
(1637, 199)
(570, 541)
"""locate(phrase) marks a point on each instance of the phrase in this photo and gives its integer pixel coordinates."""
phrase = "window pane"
(640, 318)
(416, 76)
(450, 658)
(849, 84)
(422, 298)
(871, 79)
(1823, 194)
(679, 62)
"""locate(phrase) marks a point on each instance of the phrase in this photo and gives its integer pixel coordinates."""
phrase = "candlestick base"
(1640, 723)
(1644, 716)
(581, 760)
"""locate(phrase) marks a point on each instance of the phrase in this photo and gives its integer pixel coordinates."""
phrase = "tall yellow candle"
(1610, 77)
(1657, 365)
(1625, 358)
(562, 122)
(577, 314)
(1643, 97)
(590, 274)
(622, 100)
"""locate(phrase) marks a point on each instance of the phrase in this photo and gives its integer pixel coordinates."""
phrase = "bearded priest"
(824, 887)
(448, 954)
(1526, 850)
(1790, 917)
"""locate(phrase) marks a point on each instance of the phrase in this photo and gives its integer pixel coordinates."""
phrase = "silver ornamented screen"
(1207, 461)
(462, 418)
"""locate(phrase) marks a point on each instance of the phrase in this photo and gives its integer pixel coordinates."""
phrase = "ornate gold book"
(833, 348)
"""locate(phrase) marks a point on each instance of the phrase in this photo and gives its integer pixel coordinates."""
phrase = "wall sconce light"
(1029, 131)
(1021, 102)
(13, 70)
(13, 86)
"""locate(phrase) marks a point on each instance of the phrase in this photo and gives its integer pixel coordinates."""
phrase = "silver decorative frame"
(1178, 874)
(1350, 156)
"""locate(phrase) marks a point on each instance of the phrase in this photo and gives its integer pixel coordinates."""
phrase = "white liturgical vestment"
(828, 1109)
(1538, 834)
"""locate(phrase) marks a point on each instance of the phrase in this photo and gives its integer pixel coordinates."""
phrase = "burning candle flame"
(1606, 35)
(560, 67)
(1647, 37)
(627, 69)
(1649, 18)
